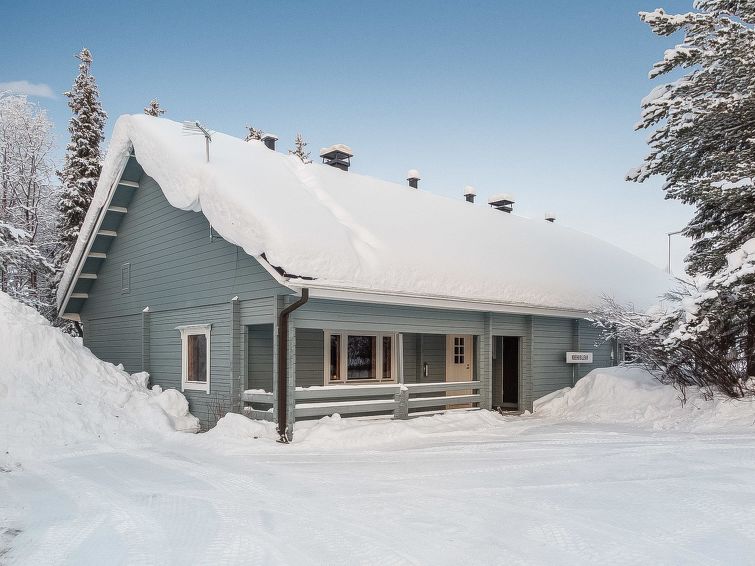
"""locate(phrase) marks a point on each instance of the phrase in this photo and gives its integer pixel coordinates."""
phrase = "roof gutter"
(285, 434)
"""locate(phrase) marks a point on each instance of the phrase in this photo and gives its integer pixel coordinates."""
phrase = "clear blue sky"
(537, 99)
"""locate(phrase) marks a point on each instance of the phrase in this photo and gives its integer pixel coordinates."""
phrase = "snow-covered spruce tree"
(703, 138)
(82, 166)
(703, 144)
(253, 133)
(300, 149)
(27, 206)
(154, 109)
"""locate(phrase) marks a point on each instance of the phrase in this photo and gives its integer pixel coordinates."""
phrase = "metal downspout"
(283, 364)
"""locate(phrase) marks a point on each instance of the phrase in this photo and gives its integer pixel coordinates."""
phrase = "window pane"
(387, 357)
(197, 357)
(335, 357)
(362, 362)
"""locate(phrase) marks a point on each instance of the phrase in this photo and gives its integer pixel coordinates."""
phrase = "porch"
(372, 373)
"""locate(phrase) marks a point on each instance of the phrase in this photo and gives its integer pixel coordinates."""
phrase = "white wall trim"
(379, 335)
(194, 330)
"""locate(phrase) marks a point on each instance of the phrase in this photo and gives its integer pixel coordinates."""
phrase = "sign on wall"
(578, 357)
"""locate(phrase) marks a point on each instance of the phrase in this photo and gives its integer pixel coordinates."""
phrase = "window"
(354, 357)
(459, 346)
(628, 355)
(195, 357)
(126, 278)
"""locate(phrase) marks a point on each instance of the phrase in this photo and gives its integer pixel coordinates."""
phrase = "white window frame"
(194, 330)
(344, 358)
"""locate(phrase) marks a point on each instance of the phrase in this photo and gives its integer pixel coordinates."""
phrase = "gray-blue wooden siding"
(185, 277)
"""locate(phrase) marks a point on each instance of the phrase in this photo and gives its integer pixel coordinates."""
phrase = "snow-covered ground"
(614, 471)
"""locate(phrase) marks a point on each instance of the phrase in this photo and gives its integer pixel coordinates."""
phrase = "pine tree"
(253, 134)
(154, 109)
(300, 149)
(82, 166)
(703, 141)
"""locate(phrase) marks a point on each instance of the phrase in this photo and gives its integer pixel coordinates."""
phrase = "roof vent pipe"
(413, 177)
(269, 141)
(503, 202)
(338, 156)
(469, 193)
(550, 217)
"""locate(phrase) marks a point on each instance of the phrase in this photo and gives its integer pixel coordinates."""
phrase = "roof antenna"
(197, 128)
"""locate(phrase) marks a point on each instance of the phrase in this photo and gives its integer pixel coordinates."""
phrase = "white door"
(459, 357)
(459, 363)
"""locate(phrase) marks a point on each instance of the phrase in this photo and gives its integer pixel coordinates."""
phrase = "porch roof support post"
(402, 397)
(485, 363)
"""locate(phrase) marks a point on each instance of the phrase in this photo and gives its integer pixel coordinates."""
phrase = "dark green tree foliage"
(702, 141)
(703, 125)
(82, 166)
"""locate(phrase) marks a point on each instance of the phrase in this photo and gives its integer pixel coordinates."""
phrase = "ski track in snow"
(553, 493)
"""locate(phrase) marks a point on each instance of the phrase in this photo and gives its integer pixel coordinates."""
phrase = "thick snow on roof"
(343, 148)
(355, 232)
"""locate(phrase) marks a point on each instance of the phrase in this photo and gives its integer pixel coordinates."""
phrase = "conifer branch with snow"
(253, 133)
(300, 149)
(154, 109)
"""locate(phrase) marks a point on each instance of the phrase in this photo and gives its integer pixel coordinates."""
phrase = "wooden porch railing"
(399, 399)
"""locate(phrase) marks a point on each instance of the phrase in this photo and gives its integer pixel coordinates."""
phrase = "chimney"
(503, 202)
(413, 177)
(269, 140)
(469, 193)
(550, 217)
(338, 156)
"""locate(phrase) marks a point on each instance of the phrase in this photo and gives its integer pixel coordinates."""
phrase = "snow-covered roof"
(501, 197)
(343, 148)
(469, 190)
(355, 233)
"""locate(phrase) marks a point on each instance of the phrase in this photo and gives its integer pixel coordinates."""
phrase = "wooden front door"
(459, 363)
(459, 357)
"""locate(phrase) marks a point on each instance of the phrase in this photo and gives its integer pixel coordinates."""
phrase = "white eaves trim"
(71, 275)
(406, 299)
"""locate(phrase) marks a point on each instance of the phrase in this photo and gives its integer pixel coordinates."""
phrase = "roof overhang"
(80, 254)
(438, 302)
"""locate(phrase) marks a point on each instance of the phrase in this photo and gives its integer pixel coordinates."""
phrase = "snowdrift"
(337, 433)
(632, 395)
(54, 392)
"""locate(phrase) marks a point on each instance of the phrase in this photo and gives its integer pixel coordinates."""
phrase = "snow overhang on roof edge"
(246, 192)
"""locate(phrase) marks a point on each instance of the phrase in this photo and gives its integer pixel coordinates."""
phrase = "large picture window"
(354, 357)
(195, 357)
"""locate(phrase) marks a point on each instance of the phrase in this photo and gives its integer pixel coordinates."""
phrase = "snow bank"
(54, 392)
(235, 431)
(372, 235)
(632, 395)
